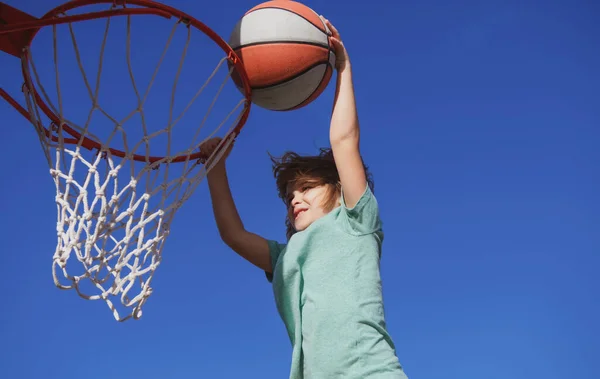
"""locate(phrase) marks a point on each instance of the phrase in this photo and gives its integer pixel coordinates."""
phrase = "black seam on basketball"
(320, 82)
(287, 10)
(295, 76)
(313, 92)
(283, 42)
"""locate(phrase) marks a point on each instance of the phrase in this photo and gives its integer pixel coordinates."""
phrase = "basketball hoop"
(120, 171)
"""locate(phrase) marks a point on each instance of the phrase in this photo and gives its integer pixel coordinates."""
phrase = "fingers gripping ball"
(286, 50)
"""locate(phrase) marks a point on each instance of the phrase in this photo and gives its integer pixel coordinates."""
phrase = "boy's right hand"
(208, 147)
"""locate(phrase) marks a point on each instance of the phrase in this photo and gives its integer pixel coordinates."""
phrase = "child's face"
(306, 206)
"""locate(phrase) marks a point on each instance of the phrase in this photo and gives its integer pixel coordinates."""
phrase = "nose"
(297, 198)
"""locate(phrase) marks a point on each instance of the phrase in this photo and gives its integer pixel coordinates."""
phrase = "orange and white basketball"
(285, 48)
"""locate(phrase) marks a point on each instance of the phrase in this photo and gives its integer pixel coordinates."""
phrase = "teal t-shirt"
(328, 291)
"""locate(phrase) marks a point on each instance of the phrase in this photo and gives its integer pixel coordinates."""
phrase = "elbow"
(346, 135)
(227, 238)
(231, 237)
(350, 138)
(231, 243)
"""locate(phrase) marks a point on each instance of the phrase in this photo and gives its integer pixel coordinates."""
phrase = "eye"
(290, 197)
(302, 189)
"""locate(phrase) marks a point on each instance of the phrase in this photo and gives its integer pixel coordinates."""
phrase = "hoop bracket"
(14, 42)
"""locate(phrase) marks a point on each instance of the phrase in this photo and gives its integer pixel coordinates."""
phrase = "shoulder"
(366, 202)
(363, 217)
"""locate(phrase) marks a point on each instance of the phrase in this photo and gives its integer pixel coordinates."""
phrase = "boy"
(326, 277)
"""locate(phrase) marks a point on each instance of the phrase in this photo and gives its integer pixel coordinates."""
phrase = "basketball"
(285, 49)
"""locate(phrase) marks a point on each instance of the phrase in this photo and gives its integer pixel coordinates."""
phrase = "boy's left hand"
(341, 54)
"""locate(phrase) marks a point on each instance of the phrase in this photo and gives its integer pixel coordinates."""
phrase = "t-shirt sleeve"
(275, 249)
(363, 218)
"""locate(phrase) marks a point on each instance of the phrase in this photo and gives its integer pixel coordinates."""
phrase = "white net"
(143, 98)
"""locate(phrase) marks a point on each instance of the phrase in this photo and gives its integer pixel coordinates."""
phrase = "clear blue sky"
(481, 124)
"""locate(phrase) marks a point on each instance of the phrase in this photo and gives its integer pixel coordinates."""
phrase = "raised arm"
(250, 246)
(344, 131)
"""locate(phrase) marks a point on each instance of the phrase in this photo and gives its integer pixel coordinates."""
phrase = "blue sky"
(480, 122)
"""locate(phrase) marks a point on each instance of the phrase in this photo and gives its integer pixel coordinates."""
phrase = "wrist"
(218, 169)
(345, 68)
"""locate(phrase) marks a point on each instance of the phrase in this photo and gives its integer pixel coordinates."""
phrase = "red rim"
(54, 17)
